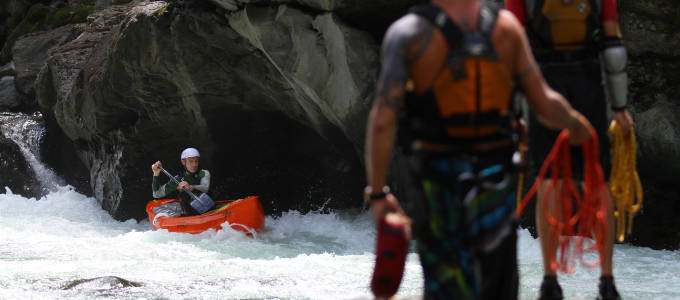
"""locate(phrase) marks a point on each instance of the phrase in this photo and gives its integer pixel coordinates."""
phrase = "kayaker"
(573, 41)
(193, 178)
(448, 72)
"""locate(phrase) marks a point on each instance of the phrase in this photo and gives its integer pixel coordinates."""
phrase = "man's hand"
(185, 184)
(382, 207)
(156, 168)
(580, 130)
(624, 120)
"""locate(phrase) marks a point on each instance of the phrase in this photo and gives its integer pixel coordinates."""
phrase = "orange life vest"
(469, 102)
(563, 24)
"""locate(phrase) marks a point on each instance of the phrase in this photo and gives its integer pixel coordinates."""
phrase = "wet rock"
(15, 171)
(101, 283)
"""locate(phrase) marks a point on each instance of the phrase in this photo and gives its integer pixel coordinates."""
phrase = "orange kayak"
(243, 214)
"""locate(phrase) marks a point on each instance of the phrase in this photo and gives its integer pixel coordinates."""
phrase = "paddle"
(200, 203)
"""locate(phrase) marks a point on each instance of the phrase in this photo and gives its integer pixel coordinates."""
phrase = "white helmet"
(190, 152)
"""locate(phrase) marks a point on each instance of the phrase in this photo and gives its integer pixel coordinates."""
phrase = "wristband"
(370, 196)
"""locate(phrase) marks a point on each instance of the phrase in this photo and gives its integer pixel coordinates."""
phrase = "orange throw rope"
(591, 206)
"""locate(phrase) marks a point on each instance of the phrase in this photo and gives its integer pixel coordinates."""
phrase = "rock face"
(30, 54)
(650, 31)
(372, 16)
(275, 99)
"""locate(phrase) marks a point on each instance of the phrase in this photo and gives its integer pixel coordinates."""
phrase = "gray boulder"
(275, 98)
(10, 99)
(30, 54)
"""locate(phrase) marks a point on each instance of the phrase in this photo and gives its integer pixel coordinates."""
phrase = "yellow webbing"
(520, 182)
(624, 182)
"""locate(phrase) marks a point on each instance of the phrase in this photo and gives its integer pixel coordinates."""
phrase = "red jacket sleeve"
(609, 11)
(517, 8)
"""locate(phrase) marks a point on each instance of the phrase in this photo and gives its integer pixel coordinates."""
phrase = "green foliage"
(40, 17)
(59, 18)
(80, 14)
(68, 15)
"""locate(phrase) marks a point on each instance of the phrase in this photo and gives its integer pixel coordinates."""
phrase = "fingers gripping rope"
(624, 182)
(590, 214)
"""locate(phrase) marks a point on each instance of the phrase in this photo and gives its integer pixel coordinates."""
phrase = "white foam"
(46, 243)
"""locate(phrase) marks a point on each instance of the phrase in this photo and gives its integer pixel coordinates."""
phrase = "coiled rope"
(624, 182)
(590, 213)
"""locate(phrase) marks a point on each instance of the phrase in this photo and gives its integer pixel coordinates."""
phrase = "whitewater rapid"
(48, 244)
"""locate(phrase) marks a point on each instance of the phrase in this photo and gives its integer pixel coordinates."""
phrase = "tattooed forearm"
(392, 82)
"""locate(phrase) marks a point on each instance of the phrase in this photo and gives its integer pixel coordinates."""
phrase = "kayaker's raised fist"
(185, 184)
(156, 168)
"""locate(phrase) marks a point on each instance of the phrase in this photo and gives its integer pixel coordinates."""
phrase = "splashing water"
(27, 132)
(65, 236)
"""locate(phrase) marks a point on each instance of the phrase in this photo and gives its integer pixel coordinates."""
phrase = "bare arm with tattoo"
(405, 41)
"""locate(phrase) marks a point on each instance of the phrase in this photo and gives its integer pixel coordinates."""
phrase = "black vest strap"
(456, 38)
(479, 119)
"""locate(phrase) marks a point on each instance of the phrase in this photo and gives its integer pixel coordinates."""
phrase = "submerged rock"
(101, 283)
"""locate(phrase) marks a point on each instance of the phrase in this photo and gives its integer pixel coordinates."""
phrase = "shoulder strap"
(488, 15)
(529, 6)
(441, 20)
(595, 35)
(598, 4)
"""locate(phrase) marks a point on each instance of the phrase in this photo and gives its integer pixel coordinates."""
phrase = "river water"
(50, 247)
(47, 244)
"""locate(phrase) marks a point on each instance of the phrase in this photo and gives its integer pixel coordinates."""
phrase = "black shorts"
(581, 83)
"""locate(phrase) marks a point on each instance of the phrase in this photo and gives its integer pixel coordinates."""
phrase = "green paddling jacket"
(199, 180)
